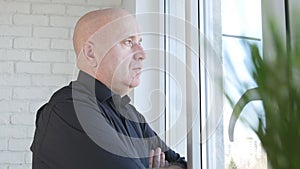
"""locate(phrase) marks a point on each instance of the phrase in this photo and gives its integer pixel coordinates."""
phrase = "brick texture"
(19, 144)
(6, 42)
(6, 67)
(12, 157)
(33, 68)
(49, 56)
(63, 21)
(22, 19)
(14, 7)
(62, 44)
(15, 31)
(36, 58)
(31, 43)
(6, 18)
(56, 9)
(5, 93)
(4, 120)
(15, 55)
(46, 32)
(3, 144)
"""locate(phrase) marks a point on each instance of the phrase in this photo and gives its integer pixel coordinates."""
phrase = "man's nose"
(139, 53)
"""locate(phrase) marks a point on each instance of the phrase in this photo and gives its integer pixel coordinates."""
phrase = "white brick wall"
(31, 43)
(56, 9)
(25, 19)
(6, 42)
(60, 21)
(14, 7)
(5, 18)
(46, 32)
(36, 58)
(15, 31)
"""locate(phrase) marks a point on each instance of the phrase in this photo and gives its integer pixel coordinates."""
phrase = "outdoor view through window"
(241, 22)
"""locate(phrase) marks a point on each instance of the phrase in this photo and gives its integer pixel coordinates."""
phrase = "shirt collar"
(101, 91)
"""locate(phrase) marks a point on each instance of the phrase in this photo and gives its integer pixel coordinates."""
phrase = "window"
(187, 66)
(176, 74)
(174, 90)
(242, 23)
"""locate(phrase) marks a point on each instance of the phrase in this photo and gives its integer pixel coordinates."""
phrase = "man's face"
(118, 48)
(123, 63)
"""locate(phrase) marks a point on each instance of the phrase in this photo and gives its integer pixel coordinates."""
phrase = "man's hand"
(157, 159)
(173, 167)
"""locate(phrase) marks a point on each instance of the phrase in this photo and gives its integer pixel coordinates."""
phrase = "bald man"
(90, 123)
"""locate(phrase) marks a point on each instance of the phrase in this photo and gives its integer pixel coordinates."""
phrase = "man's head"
(107, 45)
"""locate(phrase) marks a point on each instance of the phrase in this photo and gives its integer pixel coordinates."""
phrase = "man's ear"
(89, 53)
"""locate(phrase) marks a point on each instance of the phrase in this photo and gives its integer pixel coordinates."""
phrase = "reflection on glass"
(246, 150)
(175, 77)
(242, 18)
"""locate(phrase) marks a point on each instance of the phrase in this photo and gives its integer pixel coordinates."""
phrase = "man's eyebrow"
(135, 37)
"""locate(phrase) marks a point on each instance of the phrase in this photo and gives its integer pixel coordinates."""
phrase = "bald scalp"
(89, 23)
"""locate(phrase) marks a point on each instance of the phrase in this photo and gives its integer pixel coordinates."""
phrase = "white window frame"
(203, 15)
(211, 86)
(208, 17)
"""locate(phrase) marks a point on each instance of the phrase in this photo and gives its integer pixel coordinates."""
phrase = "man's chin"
(134, 83)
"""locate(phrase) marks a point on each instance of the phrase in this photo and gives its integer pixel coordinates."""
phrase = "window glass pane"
(176, 77)
(242, 18)
(246, 150)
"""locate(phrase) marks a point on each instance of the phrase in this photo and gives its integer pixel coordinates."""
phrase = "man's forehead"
(119, 29)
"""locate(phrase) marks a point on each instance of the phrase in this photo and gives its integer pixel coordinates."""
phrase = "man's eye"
(140, 43)
(128, 42)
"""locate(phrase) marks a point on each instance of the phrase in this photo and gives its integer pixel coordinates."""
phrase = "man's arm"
(170, 156)
(154, 141)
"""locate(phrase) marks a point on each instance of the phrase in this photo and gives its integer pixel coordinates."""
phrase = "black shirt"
(86, 126)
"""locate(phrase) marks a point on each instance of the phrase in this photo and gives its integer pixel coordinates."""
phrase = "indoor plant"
(278, 87)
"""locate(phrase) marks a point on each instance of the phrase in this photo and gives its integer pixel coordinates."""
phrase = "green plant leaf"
(248, 96)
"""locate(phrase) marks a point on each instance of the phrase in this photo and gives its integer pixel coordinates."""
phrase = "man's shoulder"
(69, 92)
(62, 105)
(69, 99)
(63, 92)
